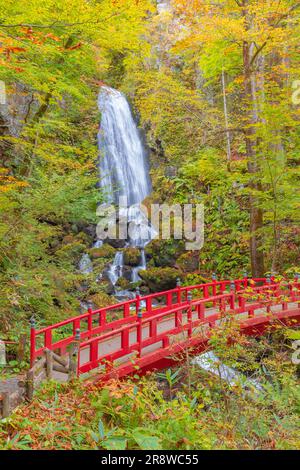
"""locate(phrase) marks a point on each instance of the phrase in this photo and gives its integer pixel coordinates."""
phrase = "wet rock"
(116, 243)
(127, 272)
(89, 230)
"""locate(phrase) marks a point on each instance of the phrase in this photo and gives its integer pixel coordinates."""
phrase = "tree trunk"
(256, 214)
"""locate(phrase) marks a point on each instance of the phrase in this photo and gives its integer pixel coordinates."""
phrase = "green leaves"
(145, 440)
(108, 439)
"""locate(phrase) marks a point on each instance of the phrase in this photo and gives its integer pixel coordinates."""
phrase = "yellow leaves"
(258, 22)
(9, 183)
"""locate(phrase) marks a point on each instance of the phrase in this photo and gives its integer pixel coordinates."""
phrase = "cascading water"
(116, 268)
(122, 154)
(142, 265)
(124, 172)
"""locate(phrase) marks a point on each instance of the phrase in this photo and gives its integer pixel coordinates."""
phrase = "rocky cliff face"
(15, 109)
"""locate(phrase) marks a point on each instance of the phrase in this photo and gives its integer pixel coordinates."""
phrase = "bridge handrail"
(102, 323)
(197, 306)
(147, 317)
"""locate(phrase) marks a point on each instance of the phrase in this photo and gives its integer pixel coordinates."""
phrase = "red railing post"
(137, 302)
(126, 312)
(32, 340)
(201, 311)
(214, 287)
(102, 317)
(295, 287)
(178, 286)
(232, 295)
(169, 299)
(94, 346)
(90, 319)
(125, 340)
(74, 356)
(149, 304)
(48, 339)
(190, 314)
(140, 331)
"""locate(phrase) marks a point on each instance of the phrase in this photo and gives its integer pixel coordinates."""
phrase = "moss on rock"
(104, 251)
(132, 256)
(123, 283)
(101, 299)
(188, 261)
(160, 279)
(164, 252)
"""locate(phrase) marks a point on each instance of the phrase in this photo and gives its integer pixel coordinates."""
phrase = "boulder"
(123, 283)
(118, 244)
(132, 256)
(188, 261)
(164, 252)
(160, 279)
(104, 251)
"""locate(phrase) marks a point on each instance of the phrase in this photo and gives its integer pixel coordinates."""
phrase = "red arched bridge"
(146, 332)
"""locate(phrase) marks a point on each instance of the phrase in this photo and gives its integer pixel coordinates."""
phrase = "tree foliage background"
(211, 83)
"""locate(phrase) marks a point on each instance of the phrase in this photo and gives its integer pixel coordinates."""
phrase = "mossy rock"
(123, 283)
(160, 279)
(68, 239)
(164, 252)
(102, 299)
(71, 251)
(144, 290)
(104, 251)
(132, 256)
(188, 262)
(84, 238)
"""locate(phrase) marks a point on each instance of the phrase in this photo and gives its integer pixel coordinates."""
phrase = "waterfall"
(140, 267)
(116, 268)
(122, 155)
(124, 172)
(85, 264)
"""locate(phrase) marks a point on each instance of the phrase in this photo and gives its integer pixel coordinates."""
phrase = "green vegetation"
(132, 256)
(214, 86)
(183, 408)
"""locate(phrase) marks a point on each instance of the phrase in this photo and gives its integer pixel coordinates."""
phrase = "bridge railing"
(133, 342)
(95, 322)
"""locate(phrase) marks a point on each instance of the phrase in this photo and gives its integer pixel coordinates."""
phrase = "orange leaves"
(51, 36)
(76, 46)
(118, 389)
(16, 49)
(9, 47)
(37, 37)
(8, 182)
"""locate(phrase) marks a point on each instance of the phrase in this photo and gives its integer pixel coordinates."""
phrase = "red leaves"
(8, 50)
